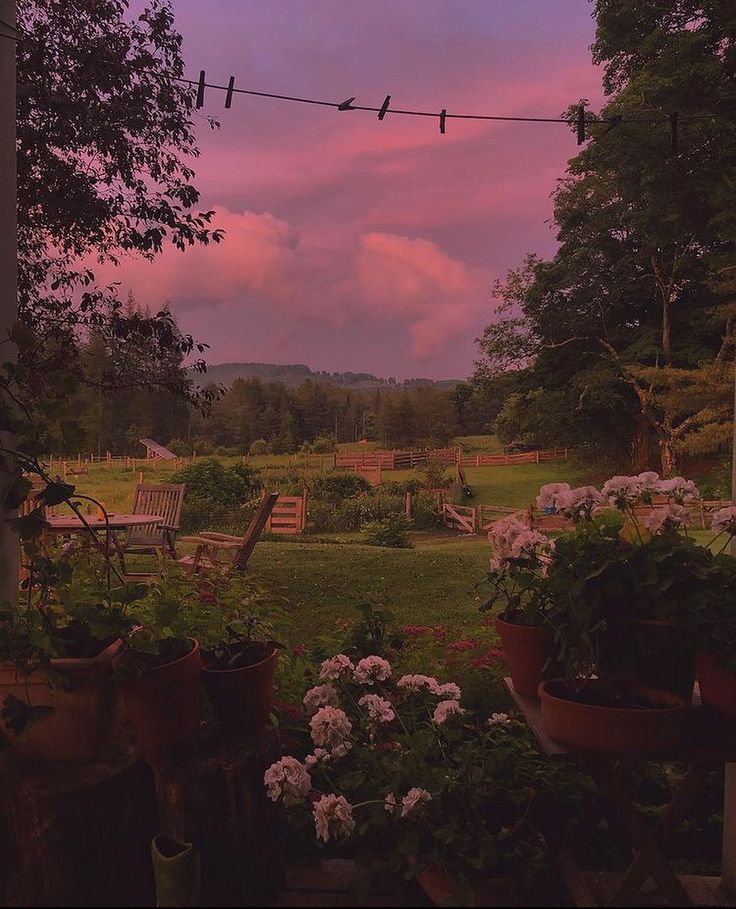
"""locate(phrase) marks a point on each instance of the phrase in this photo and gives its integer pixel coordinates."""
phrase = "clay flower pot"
(442, 890)
(613, 729)
(162, 705)
(717, 686)
(242, 698)
(82, 717)
(528, 650)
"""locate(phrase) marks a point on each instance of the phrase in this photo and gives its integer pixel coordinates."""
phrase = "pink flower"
(389, 803)
(488, 659)
(320, 756)
(499, 719)
(320, 696)
(333, 818)
(456, 646)
(416, 682)
(671, 515)
(444, 710)
(413, 798)
(725, 519)
(449, 690)
(287, 779)
(331, 729)
(579, 503)
(679, 489)
(332, 669)
(379, 709)
(622, 491)
(299, 649)
(417, 630)
(372, 669)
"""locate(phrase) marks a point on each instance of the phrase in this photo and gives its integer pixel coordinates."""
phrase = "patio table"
(709, 745)
(71, 524)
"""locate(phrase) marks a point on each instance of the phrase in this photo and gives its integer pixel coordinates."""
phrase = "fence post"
(475, 520)
(407, 506)
(537, 456)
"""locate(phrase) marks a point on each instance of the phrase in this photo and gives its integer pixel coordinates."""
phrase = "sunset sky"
(358, 245)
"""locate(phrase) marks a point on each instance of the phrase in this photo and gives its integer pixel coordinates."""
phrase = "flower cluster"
(372, 669)
(287, 779)
(331, 729)
(512, 540)
(320, 696)
(333, 817)
(379, 709)
(332, 669)
(671, 515)
(725, 519)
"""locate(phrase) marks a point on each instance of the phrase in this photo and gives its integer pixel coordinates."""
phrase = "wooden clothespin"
(347, 105)
(581, 124)
(200, 90)
(229, 95)
(443, 117)
(384, 107)
(674, 117)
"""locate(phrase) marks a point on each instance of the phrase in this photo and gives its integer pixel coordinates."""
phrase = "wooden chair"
(239, 549)
(165, 499)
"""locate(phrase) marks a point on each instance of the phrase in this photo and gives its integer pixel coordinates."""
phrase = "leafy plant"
(214, 491)
(390, 532)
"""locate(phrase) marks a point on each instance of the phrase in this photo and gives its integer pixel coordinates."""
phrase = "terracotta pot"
(615, 730)
(83, 716)
(648, 652)
(442, 890)
(163, 706)
(717, 686)
(528, 650)
(242, 698)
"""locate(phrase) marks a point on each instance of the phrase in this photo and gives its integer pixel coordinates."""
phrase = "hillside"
(294, 374)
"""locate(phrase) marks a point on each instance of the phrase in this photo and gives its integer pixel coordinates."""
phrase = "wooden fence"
(393, 460)
(523, 457)
(289, 515)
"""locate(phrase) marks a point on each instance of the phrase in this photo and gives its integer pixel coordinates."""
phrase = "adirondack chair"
(236, 549)
(166, 500)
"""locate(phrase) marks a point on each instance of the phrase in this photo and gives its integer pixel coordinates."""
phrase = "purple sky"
(358, 245)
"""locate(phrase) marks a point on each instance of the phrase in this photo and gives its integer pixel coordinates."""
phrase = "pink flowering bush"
(396, 764)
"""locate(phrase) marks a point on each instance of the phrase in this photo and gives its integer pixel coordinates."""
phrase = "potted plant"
(518, 563)
(56, 650)
(159, 669)
(238, 674)
(714, 625)
(625, 590)
(400, 775)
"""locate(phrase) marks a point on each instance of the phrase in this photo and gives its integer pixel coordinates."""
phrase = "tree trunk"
(642, 448)
(667, 456)
(666, 331)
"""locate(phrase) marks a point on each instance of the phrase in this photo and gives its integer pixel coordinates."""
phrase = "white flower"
(511, 539)
(448, 690)
(444, 710)
(579, 502)
(725, 519)
(389, 803)
(378, 708)
(413, 798)
(332, 669)
(331, 729)
(499, 719)
(548, 495)
(679, 489)
(287, 778)
(320, 696)
(333, 818)
(622, 491)
(649, 482)
(320, 756)
(671, 515)
(417, 682)
(372, 669)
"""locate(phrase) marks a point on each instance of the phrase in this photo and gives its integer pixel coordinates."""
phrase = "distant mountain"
(295, 373)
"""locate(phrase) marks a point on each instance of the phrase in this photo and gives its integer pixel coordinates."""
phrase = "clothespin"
(384, 107)
(229, 95)
(200, 90)
(443, 115)
(581, 124)
(673, 126)
(347, 105)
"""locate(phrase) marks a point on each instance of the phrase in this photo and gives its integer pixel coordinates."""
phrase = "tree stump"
(217, 801)
(77, 834)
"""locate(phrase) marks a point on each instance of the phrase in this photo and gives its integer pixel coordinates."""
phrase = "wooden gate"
(459, 517)
(288, 515)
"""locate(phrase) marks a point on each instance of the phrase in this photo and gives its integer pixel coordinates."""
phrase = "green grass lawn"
(320, 582)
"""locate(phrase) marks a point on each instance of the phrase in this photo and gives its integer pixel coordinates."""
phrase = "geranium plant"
(399, 768)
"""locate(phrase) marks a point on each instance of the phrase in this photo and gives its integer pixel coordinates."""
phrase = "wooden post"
(140, 478)
(530, 518)
(407, 506)
(536, 453)
(9, 563)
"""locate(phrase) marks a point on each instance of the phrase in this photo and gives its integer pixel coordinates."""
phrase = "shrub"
(323, 445)
(260, 447)
(390, 532)
(335, 486)
(424, 512)
(214, 491)
(180, 448)
(434, 475)
(401, 487)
